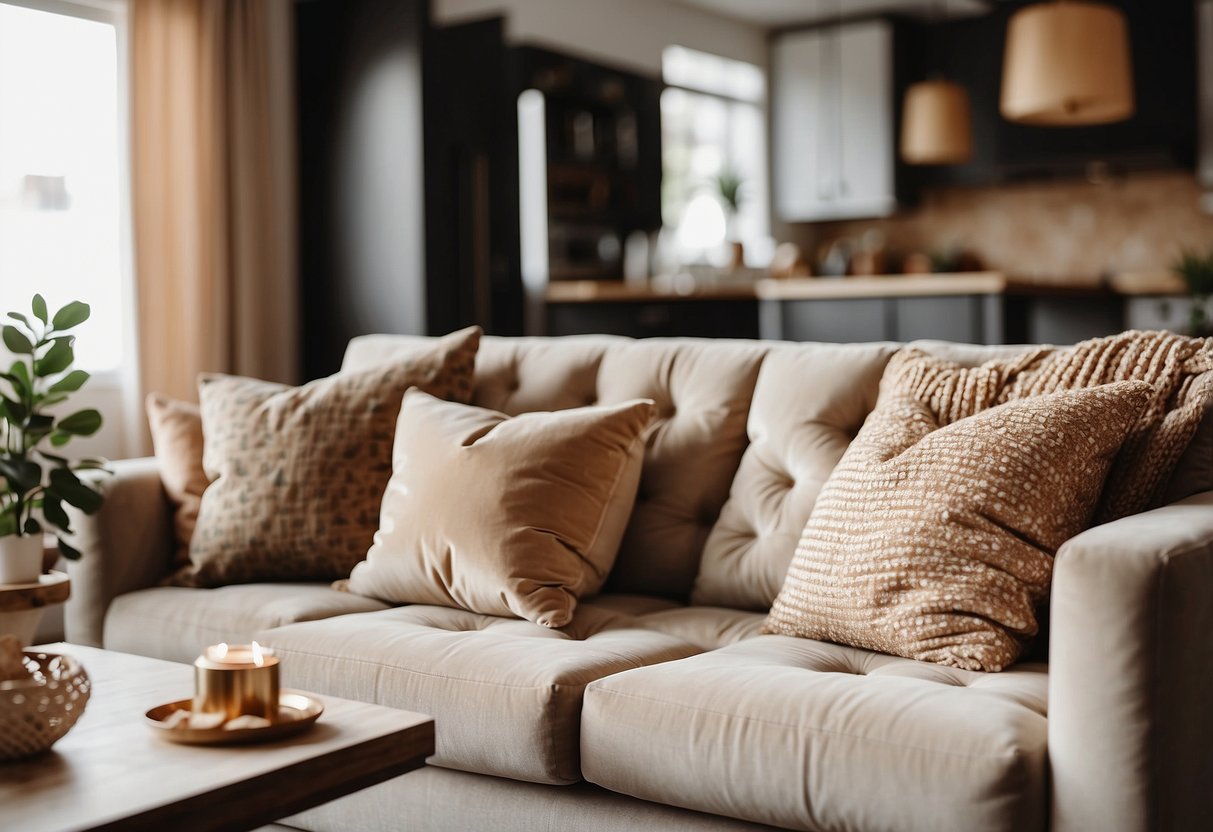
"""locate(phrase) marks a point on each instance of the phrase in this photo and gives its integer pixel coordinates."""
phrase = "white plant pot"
(20, 559)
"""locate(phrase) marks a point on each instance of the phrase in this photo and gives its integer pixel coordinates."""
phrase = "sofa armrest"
(125, 546)
(1131, 673)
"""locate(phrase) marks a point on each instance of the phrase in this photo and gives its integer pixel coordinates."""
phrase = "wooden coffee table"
(111, 770)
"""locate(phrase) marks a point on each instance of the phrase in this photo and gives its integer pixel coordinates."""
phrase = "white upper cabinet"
(832, 114)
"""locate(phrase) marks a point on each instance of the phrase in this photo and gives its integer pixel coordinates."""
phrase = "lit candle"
(236, 680)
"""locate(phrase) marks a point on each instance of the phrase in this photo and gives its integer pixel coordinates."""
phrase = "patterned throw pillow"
(298, 472)
(176, 429)
(1179, 370)
(936, 543)
(505, 516)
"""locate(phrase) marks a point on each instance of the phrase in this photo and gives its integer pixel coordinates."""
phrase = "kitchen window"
(64, 195)
(713, 124)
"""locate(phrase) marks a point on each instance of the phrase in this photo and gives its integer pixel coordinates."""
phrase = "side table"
(22, 605)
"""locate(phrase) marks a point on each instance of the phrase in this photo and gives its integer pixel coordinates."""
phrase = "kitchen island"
(976, 307)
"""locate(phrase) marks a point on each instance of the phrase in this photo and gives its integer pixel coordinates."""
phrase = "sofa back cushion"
(810, 401)
(702, 390)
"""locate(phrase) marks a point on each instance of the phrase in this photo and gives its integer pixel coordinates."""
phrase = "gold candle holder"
(236, 680)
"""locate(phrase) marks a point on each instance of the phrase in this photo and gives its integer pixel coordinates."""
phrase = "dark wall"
(361, 170)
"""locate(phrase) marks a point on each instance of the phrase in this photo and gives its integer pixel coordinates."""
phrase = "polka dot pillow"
(936, 543)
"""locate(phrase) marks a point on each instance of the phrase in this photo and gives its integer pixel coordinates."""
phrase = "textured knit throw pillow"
(298, 472)
(1178, 369)
(176, 429)
(504, 516)
(937, 543)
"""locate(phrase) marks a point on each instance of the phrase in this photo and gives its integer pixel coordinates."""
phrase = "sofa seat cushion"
(505, 693)
(809, 735)
(706, 627)
(175, 623)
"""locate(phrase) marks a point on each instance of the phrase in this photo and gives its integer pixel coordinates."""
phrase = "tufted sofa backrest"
(747, 434)
(702, 389)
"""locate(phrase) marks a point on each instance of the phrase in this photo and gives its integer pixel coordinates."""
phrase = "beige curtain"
(213, 173)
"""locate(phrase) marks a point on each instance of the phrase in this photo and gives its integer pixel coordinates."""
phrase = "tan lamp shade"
(935, 124)
(1067, 64)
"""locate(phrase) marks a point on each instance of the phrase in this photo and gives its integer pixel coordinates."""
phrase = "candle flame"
(258, 657)
(219, 651)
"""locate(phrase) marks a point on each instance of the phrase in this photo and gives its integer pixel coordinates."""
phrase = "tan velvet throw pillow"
(504, 516)
(176, 429)
(298, 472)
(937, 543)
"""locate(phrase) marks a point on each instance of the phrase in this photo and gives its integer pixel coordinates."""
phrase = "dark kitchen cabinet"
(471, 180)
(594, 143)
(683, 318)
(1160, 134)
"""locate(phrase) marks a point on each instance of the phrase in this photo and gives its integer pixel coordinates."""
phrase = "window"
(713, 125)
(63, 225)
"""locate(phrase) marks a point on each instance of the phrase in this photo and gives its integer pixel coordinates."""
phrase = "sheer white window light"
(713, 123)
(63, 183)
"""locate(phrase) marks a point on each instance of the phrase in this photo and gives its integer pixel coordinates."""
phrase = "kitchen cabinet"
(968, 319)
(974, 308)
(681, 318)
(1161, 134)
(1171, 312)
(1063, 318)
(832, 114)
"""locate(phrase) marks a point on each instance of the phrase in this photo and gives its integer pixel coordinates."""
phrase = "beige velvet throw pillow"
(937, 543)
(298, 472)
(176, 429)
(504, 516)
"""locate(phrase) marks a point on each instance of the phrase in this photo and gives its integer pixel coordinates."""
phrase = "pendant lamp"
(1067, 64)
(935, 124)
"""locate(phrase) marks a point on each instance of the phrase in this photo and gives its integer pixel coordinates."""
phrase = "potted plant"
(36, 484)
(728, 185)
(1197, 273)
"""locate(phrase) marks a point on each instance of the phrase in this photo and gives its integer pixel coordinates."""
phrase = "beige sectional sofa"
(649, 712)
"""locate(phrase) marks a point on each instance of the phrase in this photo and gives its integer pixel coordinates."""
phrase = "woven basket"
(36, 712)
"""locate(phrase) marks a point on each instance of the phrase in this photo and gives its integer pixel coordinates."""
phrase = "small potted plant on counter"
(1197, 273)
(728, 184)
(36, 484)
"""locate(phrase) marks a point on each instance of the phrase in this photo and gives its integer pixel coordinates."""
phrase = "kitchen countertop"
(606, 291)
(893, 286)
(841, 288)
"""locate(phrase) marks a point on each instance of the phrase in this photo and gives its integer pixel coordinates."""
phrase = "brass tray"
(296, 712)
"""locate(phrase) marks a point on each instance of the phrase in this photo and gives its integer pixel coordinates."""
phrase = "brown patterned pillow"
(176, 429)
(299, 472)
(505, 516)
(936, 543)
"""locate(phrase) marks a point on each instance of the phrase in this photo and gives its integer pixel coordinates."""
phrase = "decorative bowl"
(36, 712)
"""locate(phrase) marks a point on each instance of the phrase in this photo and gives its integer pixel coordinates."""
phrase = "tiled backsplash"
(1055, 232)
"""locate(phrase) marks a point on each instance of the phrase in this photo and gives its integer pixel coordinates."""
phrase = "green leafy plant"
(37, 483)
(1197, 273)
(728, 185)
